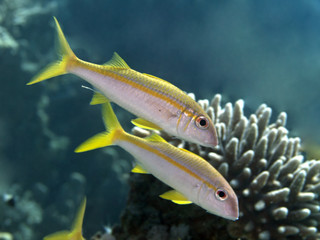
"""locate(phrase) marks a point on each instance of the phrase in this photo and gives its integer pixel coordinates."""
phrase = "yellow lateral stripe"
(133, 140)
(101, 70)
(149, 91)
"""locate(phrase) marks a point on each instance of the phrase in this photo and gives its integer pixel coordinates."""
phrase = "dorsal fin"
(155, 138)
(117, 62)
(149, 75)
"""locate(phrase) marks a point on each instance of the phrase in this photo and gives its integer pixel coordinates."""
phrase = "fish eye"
(202, 122)
(221, 194)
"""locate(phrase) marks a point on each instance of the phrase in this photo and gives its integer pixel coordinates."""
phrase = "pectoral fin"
(175, 197)
(139, 169)
(142, 123)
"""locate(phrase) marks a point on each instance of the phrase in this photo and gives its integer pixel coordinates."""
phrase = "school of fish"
(159, 105)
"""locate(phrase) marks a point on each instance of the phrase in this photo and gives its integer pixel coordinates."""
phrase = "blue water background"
(260, 51)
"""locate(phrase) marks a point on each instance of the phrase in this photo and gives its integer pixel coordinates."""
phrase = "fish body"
(193, 179)
(149, 97)
(76, 231)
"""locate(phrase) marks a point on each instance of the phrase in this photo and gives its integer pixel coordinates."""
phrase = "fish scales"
(184, 177)
(128, 94)
(194, 167)
(135, 91)
(152, 87)
(160, 104)
(192, 178)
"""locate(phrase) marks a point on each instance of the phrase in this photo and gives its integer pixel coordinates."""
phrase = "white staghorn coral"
(278, 189)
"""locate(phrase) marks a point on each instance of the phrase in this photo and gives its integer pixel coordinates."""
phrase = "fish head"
(197, 128)
(221, 201)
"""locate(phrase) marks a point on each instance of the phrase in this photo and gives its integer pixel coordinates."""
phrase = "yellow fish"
(76, 232)
(159, 104)
(193, 179)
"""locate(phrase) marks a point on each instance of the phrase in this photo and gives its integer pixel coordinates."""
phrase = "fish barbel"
(157, 103)
(193, 179)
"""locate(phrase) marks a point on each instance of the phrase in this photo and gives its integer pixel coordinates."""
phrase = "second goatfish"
(193, 179)
(157, 103)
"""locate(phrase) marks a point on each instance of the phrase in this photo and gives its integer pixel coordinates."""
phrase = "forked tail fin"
(113, 131)
(59, 67)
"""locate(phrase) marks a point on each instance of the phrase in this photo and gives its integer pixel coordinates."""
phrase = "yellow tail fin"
(59, 67)
(76, 231)
(107, 138)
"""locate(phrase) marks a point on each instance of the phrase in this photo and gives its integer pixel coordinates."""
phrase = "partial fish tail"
(59, 67)
(113, 131)
(76, 232)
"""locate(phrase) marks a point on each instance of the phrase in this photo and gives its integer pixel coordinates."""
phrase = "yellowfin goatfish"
(193, 179)
(76, 232)
(159, 104)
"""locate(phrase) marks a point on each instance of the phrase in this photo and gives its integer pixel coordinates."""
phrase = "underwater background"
(261, 52)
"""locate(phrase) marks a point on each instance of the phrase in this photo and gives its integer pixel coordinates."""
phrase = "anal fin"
(145, 124)
(175, 197)
(139, 169)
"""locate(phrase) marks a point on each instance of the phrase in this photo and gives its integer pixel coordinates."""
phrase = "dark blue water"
(259, 51)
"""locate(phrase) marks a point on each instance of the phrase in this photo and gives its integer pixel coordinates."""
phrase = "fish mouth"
(234, 213)
(233, 218)
(212, 143)
(230, 212)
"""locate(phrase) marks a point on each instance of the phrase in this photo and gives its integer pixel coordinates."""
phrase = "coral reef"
(20, 214)
(277, 188)
(36, 155)
(18, 44)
